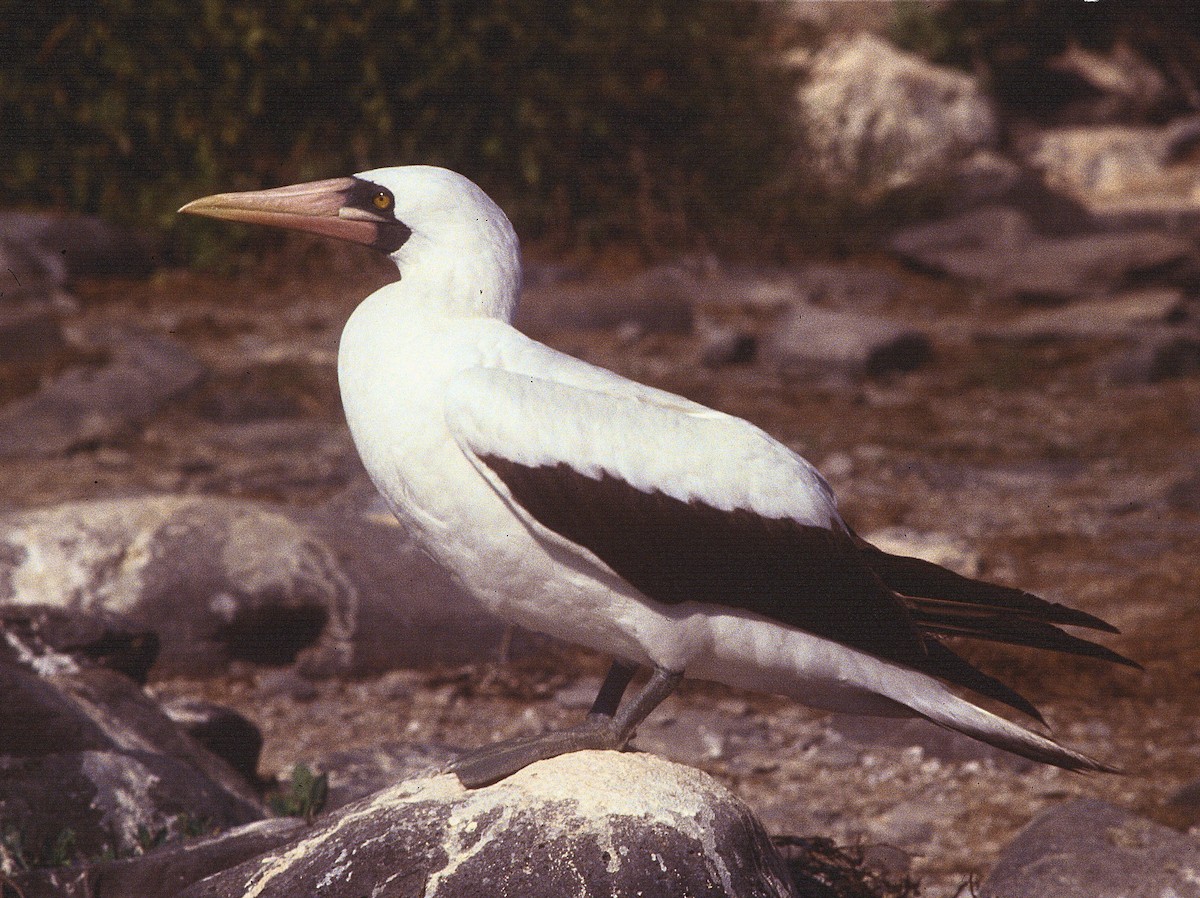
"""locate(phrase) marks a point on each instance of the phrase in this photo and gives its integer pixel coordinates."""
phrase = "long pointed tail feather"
(917, 577)
(960, 715)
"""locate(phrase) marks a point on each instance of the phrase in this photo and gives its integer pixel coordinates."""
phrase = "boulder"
(1143, 175)
(221, 579)
(1123, 315)
(1091, 849)
(26, 272)
(588, 823)
(75, 246)
(818, 341)
(997, 248)
(88, 405)
(659, 300)
(162, 872)
(1121, 84)
(29, 333)
(89, 765)
(97, 636)
(224, 732)
(876, 119)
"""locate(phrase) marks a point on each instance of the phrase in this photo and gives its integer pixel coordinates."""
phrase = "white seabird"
(609, 514)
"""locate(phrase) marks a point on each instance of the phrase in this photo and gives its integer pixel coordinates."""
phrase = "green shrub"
(590, 120)
(1011, 43)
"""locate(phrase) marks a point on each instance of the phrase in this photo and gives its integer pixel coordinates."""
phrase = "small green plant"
(303, 795)
(57, 850)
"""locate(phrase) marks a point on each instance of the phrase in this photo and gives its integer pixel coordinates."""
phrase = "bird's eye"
(382, 200)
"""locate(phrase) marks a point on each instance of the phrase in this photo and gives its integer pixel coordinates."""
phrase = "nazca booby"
(635, 522)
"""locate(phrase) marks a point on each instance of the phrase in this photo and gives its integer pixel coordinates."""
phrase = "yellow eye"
(382, 200)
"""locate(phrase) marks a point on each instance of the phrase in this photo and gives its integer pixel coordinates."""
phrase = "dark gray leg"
(605, 727)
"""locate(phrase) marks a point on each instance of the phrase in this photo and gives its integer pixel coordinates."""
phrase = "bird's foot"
(493, 763)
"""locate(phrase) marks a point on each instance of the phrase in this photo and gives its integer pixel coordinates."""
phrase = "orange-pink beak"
(320, 207)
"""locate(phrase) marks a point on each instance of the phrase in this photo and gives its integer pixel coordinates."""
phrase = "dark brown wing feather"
(826, 582)
(948, 604)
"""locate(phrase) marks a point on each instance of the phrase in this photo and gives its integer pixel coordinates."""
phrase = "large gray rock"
(876, 119)
(586, 824)
(227, 734)
(221, 579)
(1122, 84)
(1091, 849)
(89, 764)
(75, 246)
(997, 248)
(819, 341)
(88, 405)
(660, 300)
(1139, 174)
(95, 637)
(1123, 315)
(29, 333)
(163, 872)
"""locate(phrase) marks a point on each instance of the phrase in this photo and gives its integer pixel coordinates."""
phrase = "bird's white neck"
(462, 260)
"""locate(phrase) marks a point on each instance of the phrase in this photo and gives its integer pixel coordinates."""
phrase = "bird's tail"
(942, 603)
(952, 712)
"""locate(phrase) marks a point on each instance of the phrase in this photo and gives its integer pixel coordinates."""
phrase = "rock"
(876, 119)
(85, 406)
(77, 246)
(660, 300)
(27, 272)
(1123, 174)
(853, 286)
(163, 872)
(1098, 162)
(221, 579)
(722, 344)
(216, 579)
(996, 247)
(28, 333)
(820, 341)
(1117, 316)
(100, 637)
(289, 682)
(223, 731)
(1091, 849)
(89, 764)
(1124, 85)
(359, 772)
(1157, 354)
(588, 823)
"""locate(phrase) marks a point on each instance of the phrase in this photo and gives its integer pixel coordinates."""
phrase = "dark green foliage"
(1010, 42)
(588, 119)
(302, 796)
(57, 850)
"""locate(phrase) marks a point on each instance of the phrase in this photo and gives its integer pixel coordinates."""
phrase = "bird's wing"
(684, 503)
(691, 505)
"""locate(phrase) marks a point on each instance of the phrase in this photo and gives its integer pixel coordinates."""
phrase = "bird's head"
(445, 235)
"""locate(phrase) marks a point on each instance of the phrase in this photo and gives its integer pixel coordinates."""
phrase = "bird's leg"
(607, 726)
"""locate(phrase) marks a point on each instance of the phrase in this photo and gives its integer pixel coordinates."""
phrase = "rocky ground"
(1063, 462)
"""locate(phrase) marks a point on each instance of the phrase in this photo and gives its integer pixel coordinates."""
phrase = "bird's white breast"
(394, 371)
